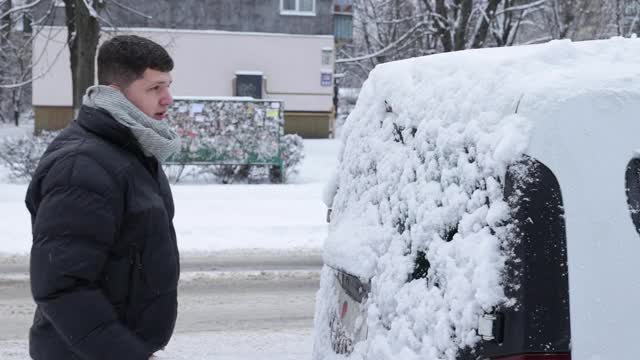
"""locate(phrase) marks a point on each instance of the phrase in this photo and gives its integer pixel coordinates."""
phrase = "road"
(231, 306)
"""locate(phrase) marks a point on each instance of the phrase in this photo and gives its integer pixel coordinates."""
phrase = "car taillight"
(564, 356)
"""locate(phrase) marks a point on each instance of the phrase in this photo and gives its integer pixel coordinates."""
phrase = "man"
(104, 261)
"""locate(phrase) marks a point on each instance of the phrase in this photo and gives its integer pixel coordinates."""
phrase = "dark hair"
(124, 59)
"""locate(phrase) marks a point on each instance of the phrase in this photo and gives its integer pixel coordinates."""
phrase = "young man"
(104, 261)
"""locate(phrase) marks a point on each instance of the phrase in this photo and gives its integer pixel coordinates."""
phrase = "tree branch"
(466, 7)
(89, 5)
(522, 7)
(134, 11)
(36, 77)
(19, 8)
(444, 29)
(481, 35)
(538, 40)
(387, 48)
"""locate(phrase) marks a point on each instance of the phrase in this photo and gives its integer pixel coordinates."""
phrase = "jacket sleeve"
(74, 227)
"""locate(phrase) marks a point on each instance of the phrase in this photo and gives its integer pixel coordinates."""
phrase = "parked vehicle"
(487, 206)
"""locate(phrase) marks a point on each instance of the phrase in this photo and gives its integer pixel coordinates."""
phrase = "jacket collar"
(100, 123)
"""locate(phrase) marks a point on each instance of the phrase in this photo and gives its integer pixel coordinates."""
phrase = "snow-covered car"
(486, 206)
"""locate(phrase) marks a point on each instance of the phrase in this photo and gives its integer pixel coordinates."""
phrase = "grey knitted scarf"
(156, 137)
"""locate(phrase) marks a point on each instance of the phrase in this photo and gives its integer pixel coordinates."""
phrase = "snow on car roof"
(421, 169)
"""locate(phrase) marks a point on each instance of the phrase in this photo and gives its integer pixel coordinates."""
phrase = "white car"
(487, 206)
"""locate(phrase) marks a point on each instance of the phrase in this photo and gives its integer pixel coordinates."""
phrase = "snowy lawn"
(273, 345)
(219, 217)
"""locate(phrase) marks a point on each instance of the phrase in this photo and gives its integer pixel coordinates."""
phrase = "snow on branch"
(387, 48)
(399, 21)
(35, 77)
(539, 40)
(92, 11)
(132, 10)
(19, 9)
(522, 7)
(94, 14)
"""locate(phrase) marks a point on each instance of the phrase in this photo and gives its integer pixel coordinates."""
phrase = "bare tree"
(386, 30)
(83, 26)
(5, 25)
(579, 19)
(83, 23)
(15, 58)
(511, 18)
(626, 14)
(467, 24)
(462, 24)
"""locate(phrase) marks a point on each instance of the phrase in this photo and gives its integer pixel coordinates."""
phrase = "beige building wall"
(312, 125)
(205, 65)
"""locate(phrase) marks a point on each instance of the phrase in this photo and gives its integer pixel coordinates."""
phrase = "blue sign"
(326, 79)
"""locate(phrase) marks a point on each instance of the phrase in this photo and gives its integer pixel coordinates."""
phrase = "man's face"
(151, 93)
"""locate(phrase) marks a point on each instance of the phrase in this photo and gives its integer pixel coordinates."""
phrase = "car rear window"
(632, 183)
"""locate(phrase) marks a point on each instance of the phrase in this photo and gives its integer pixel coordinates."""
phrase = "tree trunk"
(481, 36)
(460, 38)
(5, 22)
(83, 35)
(619, 18)
(17, 96)
(444, 29)
(70, 19)
(5, 65)
(18, 92)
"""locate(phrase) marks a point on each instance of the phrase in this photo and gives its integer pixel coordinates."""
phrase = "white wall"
(206, 63)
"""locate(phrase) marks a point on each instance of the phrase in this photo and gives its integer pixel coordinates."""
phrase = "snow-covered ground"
(212, 219)
(259, 344)
(10, 130)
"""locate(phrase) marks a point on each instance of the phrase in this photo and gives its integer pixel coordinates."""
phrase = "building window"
(327, 56)
(249, 83)
(343, 26)
(343, 6)
(298, 7)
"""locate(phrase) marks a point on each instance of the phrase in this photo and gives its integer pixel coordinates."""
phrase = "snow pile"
(421, 171)
(292, 146)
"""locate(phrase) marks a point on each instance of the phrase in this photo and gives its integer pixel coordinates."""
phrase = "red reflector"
(343, 313)
(564, 356)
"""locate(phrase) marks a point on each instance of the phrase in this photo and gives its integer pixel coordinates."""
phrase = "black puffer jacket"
(104, 261)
